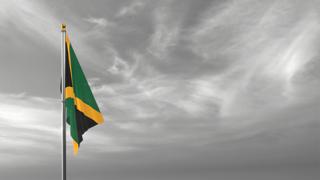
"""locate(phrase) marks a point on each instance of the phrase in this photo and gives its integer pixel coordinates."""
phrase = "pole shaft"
(63, 115)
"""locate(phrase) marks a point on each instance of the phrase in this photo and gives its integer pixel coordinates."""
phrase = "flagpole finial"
(63, 27)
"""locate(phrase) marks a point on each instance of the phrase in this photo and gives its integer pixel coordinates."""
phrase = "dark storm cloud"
(189, 89)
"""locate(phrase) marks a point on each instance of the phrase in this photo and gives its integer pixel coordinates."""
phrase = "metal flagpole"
(63, 122)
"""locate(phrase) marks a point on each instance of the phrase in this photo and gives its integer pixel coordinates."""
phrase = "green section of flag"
(71, 118)
(80, 84)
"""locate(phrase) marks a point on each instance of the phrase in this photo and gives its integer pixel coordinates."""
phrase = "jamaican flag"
(82, 111)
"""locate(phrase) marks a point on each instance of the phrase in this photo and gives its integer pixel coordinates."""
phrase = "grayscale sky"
(190, 89)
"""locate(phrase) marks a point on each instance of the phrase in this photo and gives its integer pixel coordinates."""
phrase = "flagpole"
(63, 122)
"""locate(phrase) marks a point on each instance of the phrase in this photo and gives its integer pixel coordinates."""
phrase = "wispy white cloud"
(165, 34)
(37, 21)
(100, 22)
(28, 122)
(131, 9)
(119, 66)
(32, 18)
(32, 126)
(264, 52)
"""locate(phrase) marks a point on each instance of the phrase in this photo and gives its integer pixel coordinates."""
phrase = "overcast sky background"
(190, 89)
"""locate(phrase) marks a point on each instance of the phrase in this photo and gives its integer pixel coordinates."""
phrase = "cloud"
(32, 127)
(41, 24)
(100, 22)
(119, 66)
(33, 19)
(29, 124)
(165, 34)
(130, 9)
(262, 64)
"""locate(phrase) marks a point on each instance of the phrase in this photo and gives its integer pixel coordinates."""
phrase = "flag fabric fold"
(82, 111)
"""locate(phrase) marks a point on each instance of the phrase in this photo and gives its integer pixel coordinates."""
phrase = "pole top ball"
(63, 27)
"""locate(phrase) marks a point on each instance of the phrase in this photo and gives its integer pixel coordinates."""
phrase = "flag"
(82, 111)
